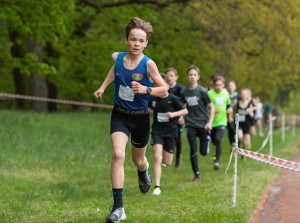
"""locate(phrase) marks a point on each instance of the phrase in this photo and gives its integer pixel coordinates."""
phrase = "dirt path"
(281, 202)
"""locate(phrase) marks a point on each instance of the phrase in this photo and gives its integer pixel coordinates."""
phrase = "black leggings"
(231, 132)
(217, 134)
(192, 134)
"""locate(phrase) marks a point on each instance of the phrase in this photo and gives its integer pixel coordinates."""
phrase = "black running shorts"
(168, 143)
(138, 125)
(245, 127)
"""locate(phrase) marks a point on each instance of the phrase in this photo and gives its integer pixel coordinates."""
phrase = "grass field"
(56, 168)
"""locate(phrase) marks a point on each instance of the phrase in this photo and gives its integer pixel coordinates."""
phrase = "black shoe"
(116, 215)
(178, 162)
(144, 184)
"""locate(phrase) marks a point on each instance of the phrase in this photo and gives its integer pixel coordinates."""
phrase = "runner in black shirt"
(164, 131)
(245, 111)
(175, 89)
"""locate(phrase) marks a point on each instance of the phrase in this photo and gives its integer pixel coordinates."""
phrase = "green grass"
(56, 168)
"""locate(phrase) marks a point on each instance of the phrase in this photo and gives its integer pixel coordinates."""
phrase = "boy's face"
(172, 77)
(244, 95)
(193, 76)
(218, 86)
(137, 41)
(231, 87)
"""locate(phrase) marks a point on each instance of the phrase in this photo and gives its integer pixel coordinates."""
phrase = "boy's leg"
(260, 128)
(178, 147)
(204, 141)
(119, 141)
(139, 160)
(157, 149)
(231, 133)
(192, 138)
(168, 157)
(218, 142)
(245, 140)
(168, 149)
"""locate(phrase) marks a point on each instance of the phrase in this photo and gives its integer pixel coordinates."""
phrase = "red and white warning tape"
(267, 159)
(34, 98)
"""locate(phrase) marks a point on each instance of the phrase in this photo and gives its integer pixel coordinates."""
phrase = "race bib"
(126, 93)
(220, 101)
(192, 101)
(161, 117)
(242, 118)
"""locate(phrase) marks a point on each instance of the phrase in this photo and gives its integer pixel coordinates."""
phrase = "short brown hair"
(165, 77)
(137, 23)
(173, 70)
(193, 67)
(214, 76)
(219, 78)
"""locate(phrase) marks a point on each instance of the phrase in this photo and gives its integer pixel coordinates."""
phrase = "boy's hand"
(98, 93)
(169, 114)
(138, 88)
(181, 120)
(217, 111)
(229, 111)
(208, 126)
(249, 109)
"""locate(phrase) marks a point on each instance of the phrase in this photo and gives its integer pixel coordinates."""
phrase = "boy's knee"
(157, 158)
(118, 155)
(138, 162)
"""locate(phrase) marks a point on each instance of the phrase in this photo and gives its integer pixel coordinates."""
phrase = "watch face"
(149, 90)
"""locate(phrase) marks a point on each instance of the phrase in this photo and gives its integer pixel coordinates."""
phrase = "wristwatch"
(149, 90)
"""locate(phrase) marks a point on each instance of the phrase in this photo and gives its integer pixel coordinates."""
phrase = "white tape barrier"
(34, 98)
(264, 142)
(267, 159)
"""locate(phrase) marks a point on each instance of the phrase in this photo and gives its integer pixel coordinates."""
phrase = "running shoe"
(216, 166)
(261, 134)
(163, 164)
(156, 191)
(178, 162)
(116, 215)
(196, 179)
(144, 184)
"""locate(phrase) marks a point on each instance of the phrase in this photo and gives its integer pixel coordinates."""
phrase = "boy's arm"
(160, 90)
(208, 126)
(181, 112)
(109, 78)
(250, 111)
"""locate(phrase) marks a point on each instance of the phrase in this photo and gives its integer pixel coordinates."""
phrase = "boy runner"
(234, 97)
(259, 115)
(198, 121)
(245, 111)
(132, 74)
(164, 131)
(175, 89)
(221, 100)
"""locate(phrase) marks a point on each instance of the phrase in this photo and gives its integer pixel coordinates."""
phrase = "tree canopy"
(62, 48)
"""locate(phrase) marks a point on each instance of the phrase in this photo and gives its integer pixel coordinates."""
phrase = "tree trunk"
(24, 85)
(37, 84)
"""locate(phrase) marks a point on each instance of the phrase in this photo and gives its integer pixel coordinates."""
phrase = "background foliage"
(256, 43)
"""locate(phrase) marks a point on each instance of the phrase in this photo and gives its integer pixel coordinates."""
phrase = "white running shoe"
(116, 215)
(156, 191)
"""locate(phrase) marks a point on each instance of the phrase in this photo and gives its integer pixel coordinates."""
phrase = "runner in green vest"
(221, 100)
